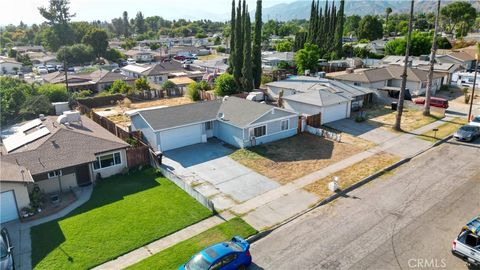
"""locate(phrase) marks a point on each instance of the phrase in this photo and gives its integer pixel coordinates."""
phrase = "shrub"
(204, 85)
(120, 87)
(266, 79)
(54, 92)
(221, 49)
(81, 94)
(225, 85)
(193, 91)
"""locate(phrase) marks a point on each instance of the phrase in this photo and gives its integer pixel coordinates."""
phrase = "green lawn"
(173, 257)
(124, 213)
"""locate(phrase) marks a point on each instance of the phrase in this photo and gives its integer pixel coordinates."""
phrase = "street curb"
(252, 239)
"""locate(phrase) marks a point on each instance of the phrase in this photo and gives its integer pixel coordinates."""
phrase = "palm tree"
(387, 13)
(401, 96)
(426, 110)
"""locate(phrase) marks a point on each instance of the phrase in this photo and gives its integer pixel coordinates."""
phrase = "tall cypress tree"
(257, 46)
(339, 30)
(231, 59)
(311, 24)
(237, 68)
(247, 55)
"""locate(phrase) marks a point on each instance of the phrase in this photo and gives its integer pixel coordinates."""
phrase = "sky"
(14, 11)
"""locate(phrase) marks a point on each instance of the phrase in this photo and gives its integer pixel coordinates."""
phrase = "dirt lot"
(412, 118)
(353, 174)
(292, 158)
(116, 113)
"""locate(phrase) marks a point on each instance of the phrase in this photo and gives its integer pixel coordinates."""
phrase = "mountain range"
(301, 9)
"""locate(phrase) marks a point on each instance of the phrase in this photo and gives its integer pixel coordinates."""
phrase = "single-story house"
(238, 122)
(333, 100)
(9, 66)
(157, 73)
(272, 59)
(389, 79)
(465, 59)
(56, 154)
(96, 81)
(181, 83)
(140, 55)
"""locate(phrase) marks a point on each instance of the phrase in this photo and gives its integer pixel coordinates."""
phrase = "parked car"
(475, 121)
(42, 70)
(234, 254)
(434, 102)
(187, 61)
(467, 244)
(122, 62)
(131, 61)
(467, 133)
(6, 259)
(179, 57)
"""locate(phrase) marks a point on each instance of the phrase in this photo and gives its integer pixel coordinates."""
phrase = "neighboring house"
(219, 65)
(272, 59)
(140, 55)
(333, 100)
(96, 81)
(465, 59)
(389, 79)
(157, 73)
(56, 158)
(236, 121)
(181, 83)
(9, 66)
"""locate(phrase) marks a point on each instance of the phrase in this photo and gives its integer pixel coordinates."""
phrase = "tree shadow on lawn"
(45, 238)
(301, 147)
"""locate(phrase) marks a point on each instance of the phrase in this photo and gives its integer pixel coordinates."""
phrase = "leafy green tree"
(239, 36)
(225, 85)
(193, 91)
(98, 40)
(120, 87)
(35, 105)
(12, 96)
(307, 58)
(257, 46)
(81, 94)
(126, 25)
(142, 84)
(169, 86)
(388, 10)
(201, 35)
(370, 28)
(351, 24)
(129, 44)
(54, 92)
(402, 27)
(339, 28)
(421, 44)
(204, 85)
(459, 16)
(77, 54)
(80, 30)
(114, 55)
(58, 17)
(443, 43)
(154, 46)
(284, 46)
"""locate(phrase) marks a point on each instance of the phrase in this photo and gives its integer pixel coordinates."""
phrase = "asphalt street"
(406, 219)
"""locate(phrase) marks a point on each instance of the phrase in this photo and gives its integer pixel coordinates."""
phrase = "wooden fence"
(138, 156)
(314, 120)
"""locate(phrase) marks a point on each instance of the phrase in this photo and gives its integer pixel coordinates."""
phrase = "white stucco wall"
(52, 185)
(115, 169)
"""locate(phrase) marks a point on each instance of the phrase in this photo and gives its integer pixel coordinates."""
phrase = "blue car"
(230, 255)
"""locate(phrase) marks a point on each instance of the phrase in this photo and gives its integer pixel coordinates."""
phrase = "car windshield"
(198, 262)
(467, 128)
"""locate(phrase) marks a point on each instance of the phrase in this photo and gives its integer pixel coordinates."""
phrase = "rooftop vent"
(221, 115)
(41, 117)
(224, 98)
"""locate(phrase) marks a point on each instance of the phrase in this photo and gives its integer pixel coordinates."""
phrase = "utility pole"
(428, 93)
(65, 68)
(474, 83)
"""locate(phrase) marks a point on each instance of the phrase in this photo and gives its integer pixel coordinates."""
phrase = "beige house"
(57, 155)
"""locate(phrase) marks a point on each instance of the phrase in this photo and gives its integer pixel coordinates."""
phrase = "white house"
(9, 66)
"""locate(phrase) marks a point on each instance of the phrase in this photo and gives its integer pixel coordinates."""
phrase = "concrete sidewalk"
(274, 206)
(20, 231)
(146, 251)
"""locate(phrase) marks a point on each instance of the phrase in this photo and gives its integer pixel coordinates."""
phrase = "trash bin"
(394, 106)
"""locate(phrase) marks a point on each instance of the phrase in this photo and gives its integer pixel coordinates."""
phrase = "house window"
(208, 125)
(357, 84)
(106, 161)
(54, 174)
(260, 131)
(284, 124)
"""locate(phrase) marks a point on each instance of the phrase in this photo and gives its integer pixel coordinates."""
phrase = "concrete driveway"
(363, 130)
(213, 173)
(22, 247)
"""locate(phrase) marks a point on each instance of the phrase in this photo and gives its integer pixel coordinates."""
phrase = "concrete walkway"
(20, 231)
(164, 243)
(259, 211)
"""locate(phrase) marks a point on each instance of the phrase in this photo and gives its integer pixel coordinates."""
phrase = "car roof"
(212, 253)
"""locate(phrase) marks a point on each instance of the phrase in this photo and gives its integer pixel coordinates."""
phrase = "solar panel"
(30, 125)
(19, 139)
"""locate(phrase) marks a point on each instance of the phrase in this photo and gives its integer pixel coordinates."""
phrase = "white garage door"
(334, 113)
(8, 207)
(180, 137)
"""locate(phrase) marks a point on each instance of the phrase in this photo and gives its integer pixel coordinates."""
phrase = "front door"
(83, 175)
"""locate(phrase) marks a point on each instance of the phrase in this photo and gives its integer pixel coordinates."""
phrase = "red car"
(179, 57)
(434, 102)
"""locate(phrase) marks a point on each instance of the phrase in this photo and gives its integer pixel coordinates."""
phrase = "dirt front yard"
(351, 175)
(289, 159)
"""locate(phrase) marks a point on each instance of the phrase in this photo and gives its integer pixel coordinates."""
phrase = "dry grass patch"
(353, 174)
(161, 102)
(411, 118)
(444, 130)
(289, 159)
